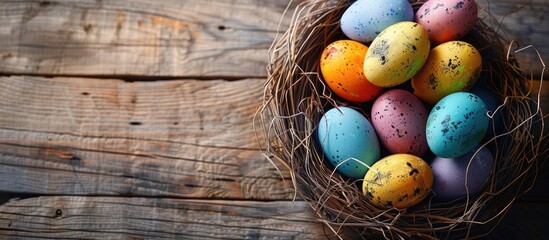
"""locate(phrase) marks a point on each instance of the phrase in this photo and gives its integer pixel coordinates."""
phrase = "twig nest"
(297, 96)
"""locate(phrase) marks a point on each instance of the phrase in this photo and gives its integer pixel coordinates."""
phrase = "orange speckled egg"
(341, 65)
(399, 180)
(451, 67)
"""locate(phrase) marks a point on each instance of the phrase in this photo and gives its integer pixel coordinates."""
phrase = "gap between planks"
(135, 78)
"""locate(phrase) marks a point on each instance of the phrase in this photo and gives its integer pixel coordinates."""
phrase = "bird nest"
(296, 98)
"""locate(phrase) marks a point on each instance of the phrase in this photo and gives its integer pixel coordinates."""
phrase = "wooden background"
(133, 119)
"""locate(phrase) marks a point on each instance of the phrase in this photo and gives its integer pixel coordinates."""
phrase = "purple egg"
(449, 174)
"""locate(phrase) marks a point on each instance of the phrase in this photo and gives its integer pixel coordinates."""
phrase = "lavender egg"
(365, 19)
(399, 119)
(450, 180)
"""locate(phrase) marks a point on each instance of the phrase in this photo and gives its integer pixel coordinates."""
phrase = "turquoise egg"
(495, 126)
(456, 124)
(348, 141)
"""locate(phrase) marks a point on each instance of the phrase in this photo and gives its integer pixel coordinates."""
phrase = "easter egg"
(341, 65)
(451, 67)
(456, 124)
(399, 119)
(399, 180)
(492, 103)
(397, 54)
(348, 141)
(364, 20)
(447, 20)
(466, 174)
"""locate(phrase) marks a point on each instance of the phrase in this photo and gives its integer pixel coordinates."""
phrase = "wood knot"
(61, 153)
(88, 27)
(45, 3)
(58, 213)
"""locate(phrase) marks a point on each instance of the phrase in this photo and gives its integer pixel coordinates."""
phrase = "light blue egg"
(365, 19)
(344, 135)
(456, 124)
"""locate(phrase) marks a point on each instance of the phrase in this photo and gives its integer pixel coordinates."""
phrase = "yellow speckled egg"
(399, 180)
(396, 54)
(451, 67)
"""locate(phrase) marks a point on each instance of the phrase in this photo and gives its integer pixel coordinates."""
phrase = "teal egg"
(495, 126)
(348, 141)
(456, 124)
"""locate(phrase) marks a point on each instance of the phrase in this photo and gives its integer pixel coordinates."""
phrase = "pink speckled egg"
(399, 119)
(447, 20)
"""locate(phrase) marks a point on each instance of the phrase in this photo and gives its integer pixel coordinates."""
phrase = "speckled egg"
(492, 103)
(399, 180)
(456, 124)
(451, 67)
(348, 141)
(364, 20)
(397, 54)
(447, 20)
(457, 177)
(341, 65)
(399, 119)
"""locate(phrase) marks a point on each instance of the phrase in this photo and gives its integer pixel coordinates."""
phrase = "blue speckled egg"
(365, 19)
(346, 137)
(456, 124)
(492, 103)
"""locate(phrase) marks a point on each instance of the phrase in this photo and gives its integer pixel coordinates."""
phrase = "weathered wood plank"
(164, 218)
(145, 218)
(138, 38)
(109, 137)
(180, 38)
(525, 22)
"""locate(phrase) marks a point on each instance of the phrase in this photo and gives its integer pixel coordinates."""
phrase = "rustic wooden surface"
(158, 218)
(138, 38)
(133, 119)
(181, 138)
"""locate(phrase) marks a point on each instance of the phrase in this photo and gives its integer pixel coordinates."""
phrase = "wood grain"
(138, 38)
(145, 218)
(184, 138)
